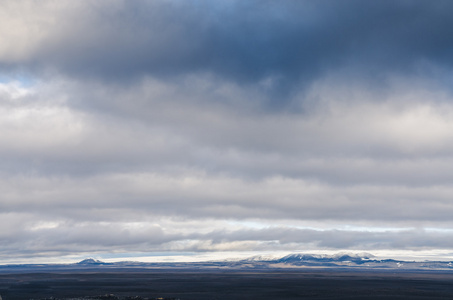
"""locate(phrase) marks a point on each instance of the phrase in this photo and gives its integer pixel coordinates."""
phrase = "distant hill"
(92, 262)
(293, 261)
(346, 260)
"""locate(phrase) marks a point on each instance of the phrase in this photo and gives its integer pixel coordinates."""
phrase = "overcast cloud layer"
(193, 126)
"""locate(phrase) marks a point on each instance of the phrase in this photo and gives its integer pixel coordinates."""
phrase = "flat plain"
(222, 285)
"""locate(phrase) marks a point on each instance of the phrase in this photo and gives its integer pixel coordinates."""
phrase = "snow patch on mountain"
(91, 261)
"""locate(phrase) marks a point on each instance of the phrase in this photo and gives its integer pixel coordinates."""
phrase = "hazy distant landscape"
(350, 261)
(296, 276)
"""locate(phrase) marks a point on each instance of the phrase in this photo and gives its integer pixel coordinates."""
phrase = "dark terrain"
(231, 284)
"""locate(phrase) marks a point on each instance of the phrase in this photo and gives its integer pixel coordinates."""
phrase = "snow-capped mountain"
(340, 257)
(91, 262)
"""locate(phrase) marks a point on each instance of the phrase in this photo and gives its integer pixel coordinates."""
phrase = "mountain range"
(292, 261)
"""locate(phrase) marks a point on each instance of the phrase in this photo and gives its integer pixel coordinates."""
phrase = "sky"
(184, 128)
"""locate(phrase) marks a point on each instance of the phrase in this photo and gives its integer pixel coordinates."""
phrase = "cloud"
(177, 126)
(288, 43)
(40, 239)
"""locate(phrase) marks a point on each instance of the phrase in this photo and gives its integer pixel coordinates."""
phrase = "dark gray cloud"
(287, 42)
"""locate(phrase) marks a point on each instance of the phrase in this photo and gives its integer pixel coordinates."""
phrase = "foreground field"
(201, 285)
